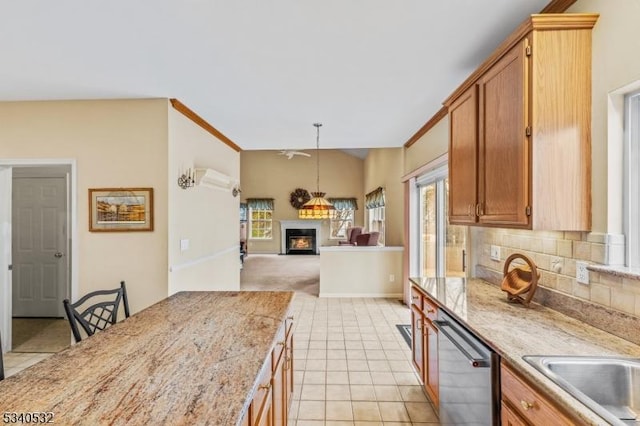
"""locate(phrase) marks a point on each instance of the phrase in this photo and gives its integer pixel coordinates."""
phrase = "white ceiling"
(260, 71)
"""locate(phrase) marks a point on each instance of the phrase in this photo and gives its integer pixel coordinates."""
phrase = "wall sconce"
(236, 190)
(187, 180)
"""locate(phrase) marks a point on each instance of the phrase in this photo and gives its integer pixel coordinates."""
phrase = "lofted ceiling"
(260, 71)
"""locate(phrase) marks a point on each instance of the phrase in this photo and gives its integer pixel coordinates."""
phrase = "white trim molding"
(299, 224)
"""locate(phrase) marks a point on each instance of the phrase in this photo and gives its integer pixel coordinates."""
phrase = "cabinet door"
(279, 409)
(463, 158)
(504, 163)
(288, 367)
(509, 417)
(417, 341)
(261, 406)
(431, 368)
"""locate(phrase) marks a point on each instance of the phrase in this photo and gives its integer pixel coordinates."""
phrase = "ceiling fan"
(290, 153)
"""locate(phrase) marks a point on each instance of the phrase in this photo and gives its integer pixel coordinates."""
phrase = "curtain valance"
(374, 199)
(260, 203)
(344, 203)
(243, 212)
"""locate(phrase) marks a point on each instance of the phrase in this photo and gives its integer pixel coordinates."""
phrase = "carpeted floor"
(280, 272)
(40, 334)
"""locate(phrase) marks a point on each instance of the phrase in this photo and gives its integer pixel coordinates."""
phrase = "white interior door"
(5, 257)
(39, 245)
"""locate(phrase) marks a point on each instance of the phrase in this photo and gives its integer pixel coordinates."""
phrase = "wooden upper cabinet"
(503, 175)
(463, 158)
(528, 111)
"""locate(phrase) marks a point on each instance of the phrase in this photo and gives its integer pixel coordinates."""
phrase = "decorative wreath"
(298, 197)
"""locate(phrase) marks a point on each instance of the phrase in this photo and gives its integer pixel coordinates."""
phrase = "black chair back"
(97, 316)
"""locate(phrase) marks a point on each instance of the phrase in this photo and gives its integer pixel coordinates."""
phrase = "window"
(343, 217)
(260, 218)
(442, 247)
(374, 202)
(632, 177)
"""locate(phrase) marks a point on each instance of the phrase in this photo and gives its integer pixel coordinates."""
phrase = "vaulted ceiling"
(260, 71)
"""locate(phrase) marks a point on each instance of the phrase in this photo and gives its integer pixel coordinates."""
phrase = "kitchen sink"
(609, 386)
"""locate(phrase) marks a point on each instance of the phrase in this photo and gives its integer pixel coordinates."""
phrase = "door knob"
(58, 255)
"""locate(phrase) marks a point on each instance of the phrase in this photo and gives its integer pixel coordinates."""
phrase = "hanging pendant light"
(317, 207)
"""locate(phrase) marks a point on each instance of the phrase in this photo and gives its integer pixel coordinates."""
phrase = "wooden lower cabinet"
(524, 405)
(261, 410)
(424, 345)
(288, 370)
(417, 341)
(431, 360)
(272, 399)
(509, 418)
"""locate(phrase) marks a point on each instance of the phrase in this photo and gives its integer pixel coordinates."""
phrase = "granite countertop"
(513, 331)
(193, 358)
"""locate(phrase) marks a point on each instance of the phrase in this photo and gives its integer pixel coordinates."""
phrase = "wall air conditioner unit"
(213, 179)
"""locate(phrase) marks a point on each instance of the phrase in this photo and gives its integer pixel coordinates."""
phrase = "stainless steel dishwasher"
(468, 374)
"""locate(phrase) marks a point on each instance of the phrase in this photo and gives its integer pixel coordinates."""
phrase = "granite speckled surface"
(513, 331)
(617, 271)
(192, 358)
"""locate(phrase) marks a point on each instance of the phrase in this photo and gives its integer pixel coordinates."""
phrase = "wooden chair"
(99, 315)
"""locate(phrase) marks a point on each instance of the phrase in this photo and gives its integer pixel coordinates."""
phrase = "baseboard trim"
(199, 260)
(356, 295)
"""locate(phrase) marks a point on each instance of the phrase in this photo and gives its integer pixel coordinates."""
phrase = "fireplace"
(308, 236)
(301, 241)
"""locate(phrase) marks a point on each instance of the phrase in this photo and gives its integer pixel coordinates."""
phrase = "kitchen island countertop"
(513, 331)
(193, 358)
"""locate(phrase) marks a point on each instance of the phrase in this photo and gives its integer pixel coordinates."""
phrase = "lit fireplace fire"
(300, 243)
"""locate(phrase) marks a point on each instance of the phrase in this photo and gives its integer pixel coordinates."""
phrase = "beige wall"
(361, 272)
(615, 68)
(430, 146)
(208, 218)
(117, 143)
(555, 254)
(616, 41)
(265, 174)
(615, 36)
(384, 167)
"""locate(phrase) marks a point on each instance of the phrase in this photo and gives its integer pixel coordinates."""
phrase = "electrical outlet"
(495, 252)
(582, 273)
(392, 278)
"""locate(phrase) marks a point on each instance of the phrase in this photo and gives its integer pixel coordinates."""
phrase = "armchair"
(352, 234)
(369, 239)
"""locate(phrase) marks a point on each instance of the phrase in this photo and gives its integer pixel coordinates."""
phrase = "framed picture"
(120, 209)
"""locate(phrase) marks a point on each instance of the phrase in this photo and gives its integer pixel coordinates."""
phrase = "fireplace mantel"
(299, 224)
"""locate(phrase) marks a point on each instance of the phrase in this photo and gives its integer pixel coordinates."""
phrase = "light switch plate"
(495, 252)
(184, 245)
(582, 273)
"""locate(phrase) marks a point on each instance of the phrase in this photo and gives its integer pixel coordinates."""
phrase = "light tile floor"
(16, 361)
(352, 366)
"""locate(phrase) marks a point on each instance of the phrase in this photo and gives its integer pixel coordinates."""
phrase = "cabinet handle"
(419, 325)
(265, 387)
(290, 318)
(526, 405)
(431, 311)
(280, 343)
(287, 363)
(469, 210)
(478, 209)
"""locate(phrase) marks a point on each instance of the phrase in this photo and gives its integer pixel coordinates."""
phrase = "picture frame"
(120, 209)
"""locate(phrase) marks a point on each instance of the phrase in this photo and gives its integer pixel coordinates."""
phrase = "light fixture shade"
(316, 208)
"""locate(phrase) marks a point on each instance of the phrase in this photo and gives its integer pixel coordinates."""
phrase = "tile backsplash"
(555, 254)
